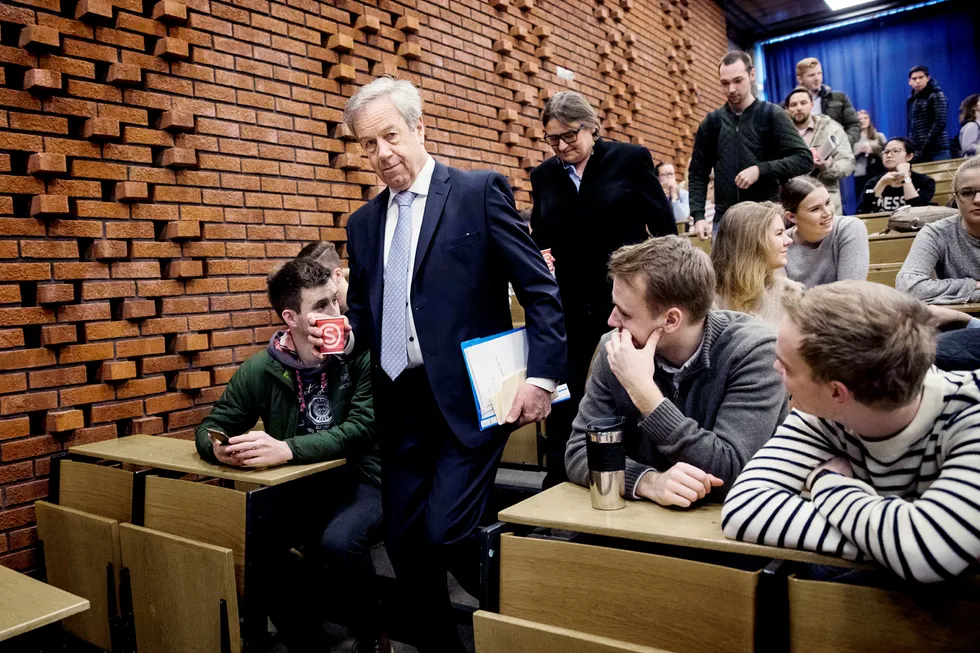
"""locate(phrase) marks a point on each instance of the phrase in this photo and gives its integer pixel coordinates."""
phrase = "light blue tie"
(394, 316)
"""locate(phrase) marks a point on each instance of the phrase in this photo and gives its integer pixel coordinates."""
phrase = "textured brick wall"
(158, 159)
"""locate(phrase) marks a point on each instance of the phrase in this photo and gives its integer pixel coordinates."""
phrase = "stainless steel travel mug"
(607, 463)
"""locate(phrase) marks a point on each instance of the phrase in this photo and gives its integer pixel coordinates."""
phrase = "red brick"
(84, 312)
(223, 375)
(57, 377)
(13, 382)
(163, 288)
(140, 347)
(81, 271)
(90, 435)
(116, 411)
(185, 418)
(25, 403)
(145, 425)
(141, 387)
(59, 421)
(129, 230)
(101, 129)
(48, 249)
(124, 75)
(42, 82)
(110, 330)
(83, 353)
(133, 270)
(15, 472)
(25, 271)
(131, 191)
(15, 428)
(47, 163)
(158, 364)
(208, 322)
(58, 335)
(46, 206)
(212, 358)
(172, 49)
(155, 249)
(164, 325)
(108, 289)
(117, 371)
(94, 11)
(16, 518)
(9, 294)
(134, 309)
(26, 358)
(181, 305)
(30, 315)
(179, 157)
(168, 402)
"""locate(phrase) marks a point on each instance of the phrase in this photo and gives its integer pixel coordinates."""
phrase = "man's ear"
(840, 393)
(290, 317)
(673, 319)
(420, 130)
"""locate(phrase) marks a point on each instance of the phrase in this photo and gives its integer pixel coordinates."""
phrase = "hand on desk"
(252, 449)
(531, 404)
(681, 485)
(948, 317)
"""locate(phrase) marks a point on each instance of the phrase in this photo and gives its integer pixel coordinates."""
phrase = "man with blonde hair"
(880, 457)
(696, 386)
(833, 104)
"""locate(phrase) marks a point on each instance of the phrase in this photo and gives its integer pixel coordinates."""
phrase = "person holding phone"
(899, 186)
(312, 410)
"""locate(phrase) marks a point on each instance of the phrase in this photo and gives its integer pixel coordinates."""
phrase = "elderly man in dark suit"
(590, 199)
(430, 260)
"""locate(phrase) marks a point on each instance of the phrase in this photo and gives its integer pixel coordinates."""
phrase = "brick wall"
(158, 159)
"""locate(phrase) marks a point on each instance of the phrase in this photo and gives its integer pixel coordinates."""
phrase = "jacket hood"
(282, 350)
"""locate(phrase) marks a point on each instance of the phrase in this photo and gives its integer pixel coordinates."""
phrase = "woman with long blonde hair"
(749, 254)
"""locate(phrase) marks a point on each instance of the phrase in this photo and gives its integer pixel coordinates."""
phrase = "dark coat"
(926, 113)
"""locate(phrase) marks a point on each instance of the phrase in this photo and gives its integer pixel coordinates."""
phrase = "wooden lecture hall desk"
(669, 579)
(27, 604)
(142, 494)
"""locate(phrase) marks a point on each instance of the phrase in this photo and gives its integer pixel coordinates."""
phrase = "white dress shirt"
(421, 189)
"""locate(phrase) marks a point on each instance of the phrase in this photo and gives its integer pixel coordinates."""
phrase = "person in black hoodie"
(751, 144)
(590, 199)
(926, 111)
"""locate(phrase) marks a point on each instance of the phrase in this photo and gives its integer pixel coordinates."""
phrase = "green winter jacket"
(264, 388)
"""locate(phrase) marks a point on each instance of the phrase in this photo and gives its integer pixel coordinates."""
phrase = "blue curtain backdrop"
(870, 62)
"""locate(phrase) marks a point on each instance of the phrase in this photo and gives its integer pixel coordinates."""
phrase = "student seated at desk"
(958, 347)
(312, 411)
(880, 457)
(826, 247)
(943, 265)
(696, 386)
(899, 185)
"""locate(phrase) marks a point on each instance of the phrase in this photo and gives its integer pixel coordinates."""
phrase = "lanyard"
(299, 384)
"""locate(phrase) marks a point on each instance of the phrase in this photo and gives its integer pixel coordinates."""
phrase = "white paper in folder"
(497, 366)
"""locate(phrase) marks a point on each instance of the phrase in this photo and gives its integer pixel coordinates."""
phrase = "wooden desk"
(969, 309)
(181, 456)
(27, 604)
(201, 512)
(567, 507)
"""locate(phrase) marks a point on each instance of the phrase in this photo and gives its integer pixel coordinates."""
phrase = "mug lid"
(606, 424)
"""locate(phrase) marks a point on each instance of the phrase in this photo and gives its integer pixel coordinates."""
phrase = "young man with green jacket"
(311, 410)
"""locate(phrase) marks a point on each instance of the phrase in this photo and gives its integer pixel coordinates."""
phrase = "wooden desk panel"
(969, 309)
(496, 633)
(568, 507)
(27, 604)
(181, 456)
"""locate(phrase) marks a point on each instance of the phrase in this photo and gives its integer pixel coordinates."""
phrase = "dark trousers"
(435, 490)
(958, 350)
(584, 328)
(336, 537)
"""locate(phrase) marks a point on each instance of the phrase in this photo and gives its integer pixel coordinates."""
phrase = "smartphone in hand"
(218, 435)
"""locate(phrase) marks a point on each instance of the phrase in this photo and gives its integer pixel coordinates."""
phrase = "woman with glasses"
(943, 266)
(590, 199)
(899, 186)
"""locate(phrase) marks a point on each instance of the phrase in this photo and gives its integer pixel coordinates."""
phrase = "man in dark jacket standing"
(312, 410)
(926, 111)
(833, 104)
(751, 144)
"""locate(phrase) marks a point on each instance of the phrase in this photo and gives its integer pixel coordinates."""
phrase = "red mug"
(333, 334)
(549, 259)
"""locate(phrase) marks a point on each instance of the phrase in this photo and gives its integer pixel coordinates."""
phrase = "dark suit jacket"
(619, 199)
(471, 244)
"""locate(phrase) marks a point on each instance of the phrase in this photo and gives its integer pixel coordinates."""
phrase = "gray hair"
(569, 107)
(973, 163)
(402, 94)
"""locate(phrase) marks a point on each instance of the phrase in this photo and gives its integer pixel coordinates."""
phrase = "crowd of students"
(703, 356)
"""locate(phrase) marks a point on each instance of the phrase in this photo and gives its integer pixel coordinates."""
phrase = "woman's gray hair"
(569, 107)
(402, 94)
(973, 163)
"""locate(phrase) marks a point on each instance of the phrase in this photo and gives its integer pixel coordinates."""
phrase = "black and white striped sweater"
(913, 504)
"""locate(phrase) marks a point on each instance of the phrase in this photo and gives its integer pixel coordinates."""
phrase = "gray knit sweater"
(843, 254)
(946, 249)
(729, 402)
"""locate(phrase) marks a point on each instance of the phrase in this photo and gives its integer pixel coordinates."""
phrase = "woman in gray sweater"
(826, 248)
(943, 266)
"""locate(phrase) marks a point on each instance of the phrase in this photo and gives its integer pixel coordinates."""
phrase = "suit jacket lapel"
(434, 204)
(376, 253)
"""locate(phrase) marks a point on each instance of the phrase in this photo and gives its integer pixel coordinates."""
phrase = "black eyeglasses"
(967, 194)
(569, 137)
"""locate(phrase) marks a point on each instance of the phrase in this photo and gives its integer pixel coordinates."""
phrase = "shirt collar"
(811, 124)
(422, 181)
(663, 364)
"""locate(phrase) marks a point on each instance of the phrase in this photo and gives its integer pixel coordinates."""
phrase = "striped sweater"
(912, 506)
